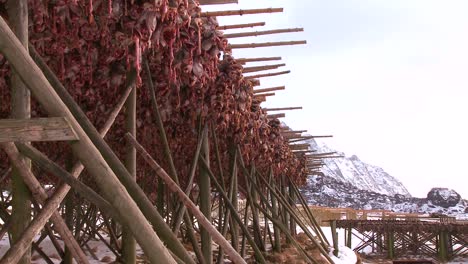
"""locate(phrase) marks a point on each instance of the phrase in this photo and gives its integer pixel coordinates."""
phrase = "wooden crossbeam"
(246, 25)
(266, 75)
(263, 90)
(277, 116)
(293, 131)
(264, 32)
(217, 2)
(245, 60)
(241, 12)
(262, 68)
(283, 108)
(267, 44)
(37, 129)
(263, 94)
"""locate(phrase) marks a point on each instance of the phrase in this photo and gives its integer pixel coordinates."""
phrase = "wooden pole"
(217, 2)
(245, 60)
(263, 95)
(20, 109)
(269, 89)
(266, 75)
(241, 12)
(84, 149)
(205, 202)
(202, 220)
(267, 44)
(135, 191)
(262, 68)
(276, 116)
(260, 33)
(18, 249)
(283, 108)
(128, 242)
(246, 25)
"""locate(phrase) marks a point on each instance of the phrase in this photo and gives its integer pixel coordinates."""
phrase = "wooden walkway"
(439, 238)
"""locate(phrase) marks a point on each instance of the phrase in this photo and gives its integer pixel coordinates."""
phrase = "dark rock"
(443, 197)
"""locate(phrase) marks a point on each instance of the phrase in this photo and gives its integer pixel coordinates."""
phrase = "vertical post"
(234, 200)
(390, 244)
(334, 237)
(292, 202)
(128, 242)
(276, 230)
(69, 212)
(205, 201)
(20, 108)
(443, 256)
(284, 191)
(349, 235)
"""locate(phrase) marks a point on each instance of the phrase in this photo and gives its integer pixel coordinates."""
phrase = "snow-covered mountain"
(349, 182)
(358, 173)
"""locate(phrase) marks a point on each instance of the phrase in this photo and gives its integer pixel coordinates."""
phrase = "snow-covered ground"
(99, 249)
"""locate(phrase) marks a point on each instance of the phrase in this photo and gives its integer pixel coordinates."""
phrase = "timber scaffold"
(161, 135)
(441, 238)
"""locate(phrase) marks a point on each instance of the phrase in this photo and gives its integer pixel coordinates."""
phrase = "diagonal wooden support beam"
(202, 220)
(267, 44)
(84, 149)
(241, 12)
(217, 2)
(17, 250)
(271, 89)
(266, 75)
(37, 129)
(260, 33)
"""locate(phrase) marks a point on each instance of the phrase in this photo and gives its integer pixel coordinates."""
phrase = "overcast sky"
(387, 78)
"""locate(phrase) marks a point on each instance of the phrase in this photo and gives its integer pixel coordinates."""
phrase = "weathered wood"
(160, 226)
(17, 250)
(245, 60)
(241, 12)
(20, 108)
(37, 129)
(283, 108)
(266, 75)
(204, 183)
(263, 95)
(202, 220)
(84, 149)
(276, 116)
(271, 89)
(246, 25)
(262, 68)
(267, 44)
(261, 33)
(128, 242)
(217, 2)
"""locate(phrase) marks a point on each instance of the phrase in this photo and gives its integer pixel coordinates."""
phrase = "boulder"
(443, 197)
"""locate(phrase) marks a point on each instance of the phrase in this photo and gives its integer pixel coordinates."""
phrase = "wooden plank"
(217, 2)
(246, 25)
(241, 12)
(267, 44)
(37, 129)
(272, 89)
(261, 33)
(245, 60)
(266, 75)
(283, 108)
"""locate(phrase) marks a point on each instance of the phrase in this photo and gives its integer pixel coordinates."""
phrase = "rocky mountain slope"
(349, 182)
(358, 173)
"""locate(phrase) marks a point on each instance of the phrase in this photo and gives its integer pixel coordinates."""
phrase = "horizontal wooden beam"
(37, 129)
(266, 75)
(277, 116)
(246, 25)
(261, 33)
(267, 44)
(262, 68)
(244, 60)
(217, 2)
(293, 131)
(263, 94)
(263, 90)
(241, 12)
(283, 108)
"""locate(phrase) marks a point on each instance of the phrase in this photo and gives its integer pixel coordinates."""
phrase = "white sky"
(388, 78)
